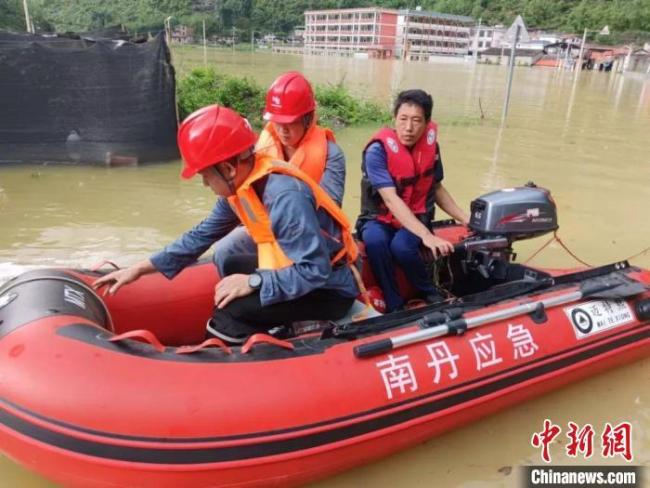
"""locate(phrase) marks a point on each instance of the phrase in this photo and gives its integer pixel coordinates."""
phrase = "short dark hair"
(415, 97)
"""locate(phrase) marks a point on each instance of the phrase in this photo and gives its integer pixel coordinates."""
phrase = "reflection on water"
(583, 137)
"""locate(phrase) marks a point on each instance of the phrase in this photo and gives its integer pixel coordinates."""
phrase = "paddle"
(460, 325)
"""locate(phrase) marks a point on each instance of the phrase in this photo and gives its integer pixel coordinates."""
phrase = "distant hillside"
(627, 19)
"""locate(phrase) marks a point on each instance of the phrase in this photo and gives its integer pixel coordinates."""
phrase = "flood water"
(585, 139)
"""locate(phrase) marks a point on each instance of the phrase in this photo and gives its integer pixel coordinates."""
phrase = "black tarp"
(86, 100)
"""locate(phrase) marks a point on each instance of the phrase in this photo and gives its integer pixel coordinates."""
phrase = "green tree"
(282, 16)
(11, 15)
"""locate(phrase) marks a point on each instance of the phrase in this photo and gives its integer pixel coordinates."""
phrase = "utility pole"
(168, 30)
(603, 32)
(582, 50)
(28, 20)
(205, 47)
(511, 70)
(405, 37)
(233, 38)
(478, 30)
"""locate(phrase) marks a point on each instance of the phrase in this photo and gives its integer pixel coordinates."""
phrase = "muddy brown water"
(586, 140)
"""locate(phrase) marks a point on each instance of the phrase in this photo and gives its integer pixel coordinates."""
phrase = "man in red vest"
(401, 184)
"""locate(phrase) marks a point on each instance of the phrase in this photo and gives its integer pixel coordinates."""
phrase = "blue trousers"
(386, 245)
(236, 243)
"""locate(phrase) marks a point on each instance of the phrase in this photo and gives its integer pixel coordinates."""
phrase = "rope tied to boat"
(634, 256)
(556, 238)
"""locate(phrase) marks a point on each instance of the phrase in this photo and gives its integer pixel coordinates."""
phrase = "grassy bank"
(336, 106)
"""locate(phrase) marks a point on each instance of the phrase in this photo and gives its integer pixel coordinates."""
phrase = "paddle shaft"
(459, 326)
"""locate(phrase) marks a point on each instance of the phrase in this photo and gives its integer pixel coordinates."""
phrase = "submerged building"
(369, 31)
(421, 34)
(386, 33)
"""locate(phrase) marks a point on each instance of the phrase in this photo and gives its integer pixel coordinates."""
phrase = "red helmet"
(210, 135)
(289, 97)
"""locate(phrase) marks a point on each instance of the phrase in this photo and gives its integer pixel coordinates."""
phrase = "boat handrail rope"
(145, 335)
(262, 339)
(101, 264)
(212, 342)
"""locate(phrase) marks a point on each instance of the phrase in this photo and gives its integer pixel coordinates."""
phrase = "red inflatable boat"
(108, 391)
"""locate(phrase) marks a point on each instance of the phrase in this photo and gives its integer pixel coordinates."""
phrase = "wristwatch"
(255, 281)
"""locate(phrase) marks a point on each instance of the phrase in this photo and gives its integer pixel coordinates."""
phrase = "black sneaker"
(211, 331)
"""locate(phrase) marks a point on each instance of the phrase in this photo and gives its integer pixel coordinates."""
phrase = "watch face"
(255, 281)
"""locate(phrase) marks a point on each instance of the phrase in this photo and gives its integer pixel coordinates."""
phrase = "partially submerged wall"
(86, 100)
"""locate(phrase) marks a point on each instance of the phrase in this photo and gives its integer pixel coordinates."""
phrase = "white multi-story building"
(386, 33)
(421, 34)
(349, 31)
(485, 37)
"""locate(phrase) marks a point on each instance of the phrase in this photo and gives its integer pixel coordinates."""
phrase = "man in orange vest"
(401, 184)
(292, 134)
(302, 267)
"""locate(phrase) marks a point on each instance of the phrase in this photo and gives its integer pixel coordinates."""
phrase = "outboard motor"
(500, 218)
(514, 213)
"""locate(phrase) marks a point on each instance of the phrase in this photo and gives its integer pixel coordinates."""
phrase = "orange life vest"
(252, 213)
(311, 154)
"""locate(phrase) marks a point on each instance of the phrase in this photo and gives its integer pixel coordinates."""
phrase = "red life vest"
(413, 173)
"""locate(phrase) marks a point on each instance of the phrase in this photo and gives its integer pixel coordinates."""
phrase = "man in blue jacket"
(300, 270)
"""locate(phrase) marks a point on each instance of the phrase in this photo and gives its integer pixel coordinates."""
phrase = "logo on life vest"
(431, 137)
(392, 144)
(275, 100)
